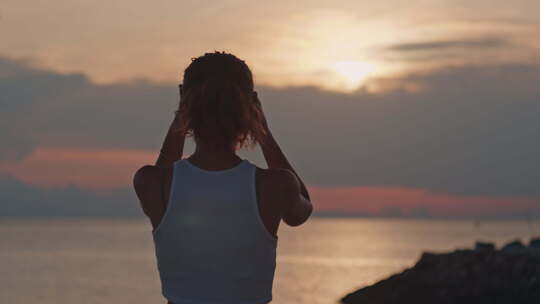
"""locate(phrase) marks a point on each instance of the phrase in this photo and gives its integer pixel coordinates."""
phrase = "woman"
(215, 216)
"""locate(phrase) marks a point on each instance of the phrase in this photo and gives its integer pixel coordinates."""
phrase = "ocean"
(112, 260)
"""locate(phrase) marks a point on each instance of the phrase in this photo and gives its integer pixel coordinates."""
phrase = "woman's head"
(217, 105)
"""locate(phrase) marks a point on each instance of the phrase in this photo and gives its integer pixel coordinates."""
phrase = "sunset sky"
(424, 108)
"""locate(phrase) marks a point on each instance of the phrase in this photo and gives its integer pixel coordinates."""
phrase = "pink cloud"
(105, 169)
(98, 169)
(375, 200)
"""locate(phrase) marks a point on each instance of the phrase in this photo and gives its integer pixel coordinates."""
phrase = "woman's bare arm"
(300, 208)
(173, 145)
(172, 148)
(147, 180)
(275, 159)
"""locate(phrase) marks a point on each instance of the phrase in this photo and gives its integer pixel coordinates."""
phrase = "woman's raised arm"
(173, 145)
(274, 156)
(298, 203)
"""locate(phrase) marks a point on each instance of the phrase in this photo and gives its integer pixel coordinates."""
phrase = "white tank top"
(211, 244)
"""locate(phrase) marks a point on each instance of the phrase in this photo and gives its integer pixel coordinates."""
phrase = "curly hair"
(217, 104)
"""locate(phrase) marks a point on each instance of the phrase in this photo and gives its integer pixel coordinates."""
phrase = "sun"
(353, 73)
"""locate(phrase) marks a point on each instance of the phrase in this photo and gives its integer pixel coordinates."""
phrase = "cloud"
(485, 50)
(98, 169)
(40, 107)
(20, 200)
(470, 130)
(410, 202)
(437, 45)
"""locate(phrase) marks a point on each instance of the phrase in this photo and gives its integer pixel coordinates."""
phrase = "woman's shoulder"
(146, 175)
(277, 176)
(277, 182)
(150, 184)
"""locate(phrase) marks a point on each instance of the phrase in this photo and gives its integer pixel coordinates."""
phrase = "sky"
(391, 108)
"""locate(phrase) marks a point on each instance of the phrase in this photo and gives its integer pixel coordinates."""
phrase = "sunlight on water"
(112, 261)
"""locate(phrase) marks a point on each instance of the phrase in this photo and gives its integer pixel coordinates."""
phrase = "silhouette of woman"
(214, 215)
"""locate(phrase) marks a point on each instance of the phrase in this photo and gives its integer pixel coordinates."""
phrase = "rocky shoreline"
(481, 275)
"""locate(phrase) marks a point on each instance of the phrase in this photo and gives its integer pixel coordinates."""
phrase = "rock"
(535, 243)
(513, 246)
(481, 276)
(427, 260)
(484, 246)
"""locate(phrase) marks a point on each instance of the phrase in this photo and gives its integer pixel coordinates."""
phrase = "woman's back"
(215, 216)
(211, 244)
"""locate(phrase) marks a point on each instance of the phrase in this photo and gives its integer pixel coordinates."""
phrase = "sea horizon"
(112, 260)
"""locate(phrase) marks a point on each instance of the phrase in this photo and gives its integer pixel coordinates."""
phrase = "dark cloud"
(43, 107)
(20, 200)
(449, 44)
(401, 212)
(392, 211)
(471, 130)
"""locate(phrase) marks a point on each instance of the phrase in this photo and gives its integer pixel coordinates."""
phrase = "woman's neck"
(212, 158)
